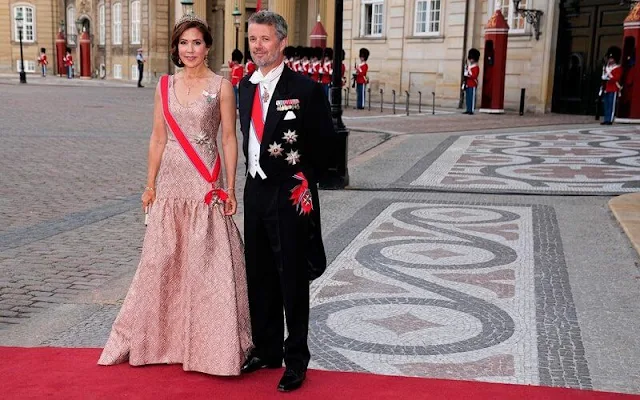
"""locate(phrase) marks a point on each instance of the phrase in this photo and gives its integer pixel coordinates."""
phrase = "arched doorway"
(586, 30)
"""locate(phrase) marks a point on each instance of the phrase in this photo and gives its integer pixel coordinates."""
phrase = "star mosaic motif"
(275, 149)
(290, 136)
(293, 157)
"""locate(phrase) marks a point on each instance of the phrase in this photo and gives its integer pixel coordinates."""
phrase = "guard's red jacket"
(361, 73)
(250, 67)
(471, 76)
(613, 83)
(237, 72)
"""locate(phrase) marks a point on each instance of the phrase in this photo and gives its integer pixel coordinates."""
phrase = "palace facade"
(415, 45)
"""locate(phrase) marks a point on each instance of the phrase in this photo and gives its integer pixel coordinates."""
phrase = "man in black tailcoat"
(286, 127)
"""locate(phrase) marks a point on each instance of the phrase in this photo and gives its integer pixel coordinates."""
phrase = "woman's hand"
(231, 204)
(148, 197)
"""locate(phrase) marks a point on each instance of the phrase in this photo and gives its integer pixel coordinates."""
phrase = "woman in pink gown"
(188, 303)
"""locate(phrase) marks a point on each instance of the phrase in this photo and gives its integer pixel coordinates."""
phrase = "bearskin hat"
(289, 51)
(474, 54)
(236, 56)
(615, 53)
(364, 53)
(328, 52)
(301, 52)
(317, 53)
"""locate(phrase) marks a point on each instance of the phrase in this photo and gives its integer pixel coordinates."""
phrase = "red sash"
(256, 114)
(191, 153)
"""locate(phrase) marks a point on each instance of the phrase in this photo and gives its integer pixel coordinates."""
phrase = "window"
(27, 13)
(134, 72)
(29, 66)
(71, 25)
(135, 22)
(372, 17)
(102, 26)
(428, 17)
(516, 21)
(117, 23)
(117, 71)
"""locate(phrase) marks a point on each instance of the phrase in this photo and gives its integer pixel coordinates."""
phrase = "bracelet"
(231, 189)
(149, 189)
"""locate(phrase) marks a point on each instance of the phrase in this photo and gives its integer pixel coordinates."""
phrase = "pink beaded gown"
(188, 302)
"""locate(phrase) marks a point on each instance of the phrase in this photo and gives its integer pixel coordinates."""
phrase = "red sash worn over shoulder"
(191, 153)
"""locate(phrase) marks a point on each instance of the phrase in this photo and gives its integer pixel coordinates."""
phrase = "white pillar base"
(627, 121)
(491, 111)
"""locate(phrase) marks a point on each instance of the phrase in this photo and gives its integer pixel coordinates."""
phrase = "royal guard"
(326, 75)
(304, 60)
(237, 71)
(611, 75)
(361, 78)
(471, 74)
(316, 64)
(295, 63)
(250, 66)
(289, 56)
(42, 60)
(68, 63)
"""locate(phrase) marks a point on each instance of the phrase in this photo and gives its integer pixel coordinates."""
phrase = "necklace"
(189, 86)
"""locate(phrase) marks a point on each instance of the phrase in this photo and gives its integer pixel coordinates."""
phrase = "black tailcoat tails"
(283, 247)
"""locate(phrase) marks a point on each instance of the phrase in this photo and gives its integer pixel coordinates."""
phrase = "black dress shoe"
(291, 380)
(255, 363)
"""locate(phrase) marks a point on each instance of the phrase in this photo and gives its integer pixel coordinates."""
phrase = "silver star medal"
(293, 157)
(290, 136)
(275, 149)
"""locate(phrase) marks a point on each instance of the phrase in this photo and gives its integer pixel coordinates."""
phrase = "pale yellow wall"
(401, 61)
(45, 29)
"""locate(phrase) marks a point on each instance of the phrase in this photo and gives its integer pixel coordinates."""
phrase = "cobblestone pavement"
(535, 288)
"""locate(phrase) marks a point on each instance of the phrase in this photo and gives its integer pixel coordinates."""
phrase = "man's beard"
(265, 62)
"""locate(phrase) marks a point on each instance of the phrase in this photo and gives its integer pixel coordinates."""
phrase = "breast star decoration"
(209, 96)
(293, 157)
(290, 136)
(275, 149)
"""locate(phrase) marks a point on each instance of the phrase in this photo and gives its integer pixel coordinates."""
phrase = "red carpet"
(35, 373)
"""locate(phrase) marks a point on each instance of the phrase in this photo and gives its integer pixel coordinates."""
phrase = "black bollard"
(433, 103)
(522, 91)
(419, 102)
(393, 93)
(407, 106)
(348, 93)
(381, 99)
(369, 90)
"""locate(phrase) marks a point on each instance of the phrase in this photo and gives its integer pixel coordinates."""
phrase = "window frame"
(511, 17)
(32, 24)
(116, 24)
(29, 66)
(428, 21)
(135, 13)
(102, 25)
(71, 24)
(363, 18)
(117, 71)
(134, 72)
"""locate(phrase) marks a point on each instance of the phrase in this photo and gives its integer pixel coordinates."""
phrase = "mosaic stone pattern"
(452, 291)
(574, 161)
